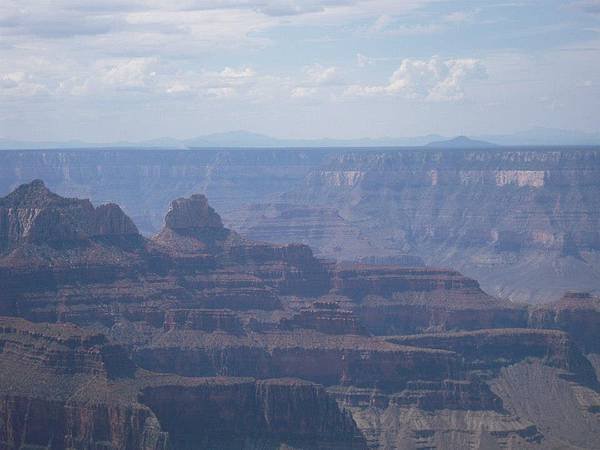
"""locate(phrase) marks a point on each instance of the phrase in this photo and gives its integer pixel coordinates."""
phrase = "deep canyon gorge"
(194, 335)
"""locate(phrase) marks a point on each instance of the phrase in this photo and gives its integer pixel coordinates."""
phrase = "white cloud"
(135, 72)
(432, 80)
(246, 72)
(218, 62)
(230, 82)
(20, 84)
(116, 77)
(158, 46)
(388, 25)
(320, 75)
(317, 79)
(301, 92)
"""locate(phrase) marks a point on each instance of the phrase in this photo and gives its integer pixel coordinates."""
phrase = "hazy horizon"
(540, 137)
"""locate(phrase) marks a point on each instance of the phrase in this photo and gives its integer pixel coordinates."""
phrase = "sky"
(109, 70)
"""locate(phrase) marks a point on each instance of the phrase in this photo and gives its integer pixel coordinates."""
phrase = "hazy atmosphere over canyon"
(299, 225)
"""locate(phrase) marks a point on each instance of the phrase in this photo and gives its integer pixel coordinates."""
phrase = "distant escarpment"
(522, 221)
(201, 338)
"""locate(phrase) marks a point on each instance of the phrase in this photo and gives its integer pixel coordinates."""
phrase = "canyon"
(200, 337)
(523, 221)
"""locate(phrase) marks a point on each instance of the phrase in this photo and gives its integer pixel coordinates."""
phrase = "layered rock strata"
(190, 340)
(64, 387)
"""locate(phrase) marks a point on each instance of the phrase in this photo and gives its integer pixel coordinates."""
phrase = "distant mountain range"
(461, 142)
(232, 139)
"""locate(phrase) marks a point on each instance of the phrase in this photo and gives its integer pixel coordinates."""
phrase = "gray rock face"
(192, 213)
(33, 214)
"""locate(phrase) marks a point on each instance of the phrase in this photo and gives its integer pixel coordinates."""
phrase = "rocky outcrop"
(395, 260)
(192, 226)
(33, 214)
(472, 395)
(522, 221)
(110, 220)
(192, 214)
(144, 183)
(196, 264)
(193, 230)
(360, 281)
(45, 396)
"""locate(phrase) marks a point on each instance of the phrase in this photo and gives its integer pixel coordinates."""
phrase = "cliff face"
(52, 424)
(46, 400)
(463, 196)
(190, 339)
(350, 360)
(245, 413)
